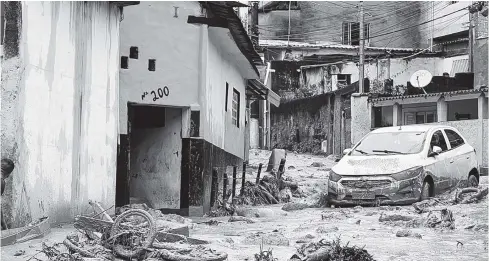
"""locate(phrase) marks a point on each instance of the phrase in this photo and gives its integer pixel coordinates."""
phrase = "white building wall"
(66, 91)
(175, 44)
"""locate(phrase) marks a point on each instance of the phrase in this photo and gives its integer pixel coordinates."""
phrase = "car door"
(438, 165)
(460, 155)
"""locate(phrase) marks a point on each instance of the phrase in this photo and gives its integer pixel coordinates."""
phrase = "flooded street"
(242, 240)
(283, 231)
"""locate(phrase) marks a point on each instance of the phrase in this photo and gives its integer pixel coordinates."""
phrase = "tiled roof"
(402, 97)
(285, 44)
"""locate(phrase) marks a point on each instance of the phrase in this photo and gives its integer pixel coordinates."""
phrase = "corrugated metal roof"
(285, 44)
(403, 97)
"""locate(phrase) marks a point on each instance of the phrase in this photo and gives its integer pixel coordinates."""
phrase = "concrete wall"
(274, 25)
(217, 127)
(481, 50)
(476, 134)
(176, 46)
(445, 24)
(156, 157)
(59, 110)
(361, 117)
(193, 61)
(322, 21)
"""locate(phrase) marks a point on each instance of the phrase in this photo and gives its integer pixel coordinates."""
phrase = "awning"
(255, 90)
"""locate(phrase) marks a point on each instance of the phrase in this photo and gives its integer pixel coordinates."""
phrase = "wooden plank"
(213, 22)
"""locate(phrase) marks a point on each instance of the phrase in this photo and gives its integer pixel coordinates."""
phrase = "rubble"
(132, 234)
(325, 230)
(294, 206)
(331, 251)
(407, 233)
(268, 238)
(443, 220)
(241, 219)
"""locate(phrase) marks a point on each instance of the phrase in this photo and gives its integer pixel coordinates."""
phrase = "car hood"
(375, 165)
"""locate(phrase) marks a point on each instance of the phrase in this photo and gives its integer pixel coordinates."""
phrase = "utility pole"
(362, 55)
(432, 25)
(254, 24)
(471, 43)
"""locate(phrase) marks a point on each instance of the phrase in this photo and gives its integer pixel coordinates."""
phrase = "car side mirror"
(436, 151)
(346, 151)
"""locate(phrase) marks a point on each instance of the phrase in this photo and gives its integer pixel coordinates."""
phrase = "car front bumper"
(381, 190)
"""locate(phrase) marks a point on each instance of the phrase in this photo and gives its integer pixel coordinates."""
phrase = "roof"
(396, 97)
(410, 128)
(331, 45)
(225, 11)
(124, 3)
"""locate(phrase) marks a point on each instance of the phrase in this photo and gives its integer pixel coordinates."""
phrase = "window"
(454, 139)
(438, 140)
(344, 79)
(133, 52)
(227, 95)
(151, 65)
(419, 117)
(235, 116)
(351, 33)
(124, 62)
(386, 143)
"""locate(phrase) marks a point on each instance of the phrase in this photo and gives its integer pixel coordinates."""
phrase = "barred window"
(236, 105)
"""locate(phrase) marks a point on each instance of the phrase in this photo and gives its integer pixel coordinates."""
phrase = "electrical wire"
(340, 34)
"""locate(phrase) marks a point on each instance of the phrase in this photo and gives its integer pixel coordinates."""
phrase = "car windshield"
(389, 143)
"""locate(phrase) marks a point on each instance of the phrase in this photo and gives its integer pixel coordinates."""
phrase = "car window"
(387, 143)
(454, 139)
(438, 140)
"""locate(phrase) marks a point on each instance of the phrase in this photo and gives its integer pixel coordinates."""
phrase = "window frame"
(235, 108)
(444, 138)
(346, 30)
(459, 138)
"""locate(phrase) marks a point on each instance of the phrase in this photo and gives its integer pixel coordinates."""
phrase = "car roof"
(410, 128)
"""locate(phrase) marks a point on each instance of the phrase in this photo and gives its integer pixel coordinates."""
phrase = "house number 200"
(160, 93)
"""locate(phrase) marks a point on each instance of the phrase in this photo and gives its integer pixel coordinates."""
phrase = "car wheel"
(425, 191)
(473, 181)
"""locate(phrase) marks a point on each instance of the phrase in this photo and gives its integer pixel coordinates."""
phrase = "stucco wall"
(64, 107)
(156, 157)
(475, 132)
(176, 46)
(361, 117)
(217, 127)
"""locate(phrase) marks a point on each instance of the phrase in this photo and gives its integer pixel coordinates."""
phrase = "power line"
(419, 24)
(340, 34)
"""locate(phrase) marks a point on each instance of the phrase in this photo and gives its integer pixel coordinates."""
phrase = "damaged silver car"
(402, 165)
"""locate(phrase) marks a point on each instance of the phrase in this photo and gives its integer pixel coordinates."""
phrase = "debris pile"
(330, 251)
(133, 234)
(270, 190)
(444, 219)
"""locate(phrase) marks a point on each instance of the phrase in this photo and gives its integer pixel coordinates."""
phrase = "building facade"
(188, 71)
(59, 107)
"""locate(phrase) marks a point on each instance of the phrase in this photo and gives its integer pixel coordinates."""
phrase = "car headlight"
(408, 174)
(333, 176)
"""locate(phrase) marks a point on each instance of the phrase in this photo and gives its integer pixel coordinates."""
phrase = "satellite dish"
(421, 79)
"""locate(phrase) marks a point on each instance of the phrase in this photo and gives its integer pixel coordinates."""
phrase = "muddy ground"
(283, 231)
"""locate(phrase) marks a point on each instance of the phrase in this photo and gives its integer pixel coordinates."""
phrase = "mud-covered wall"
(274, 25)
(481, 50)
(60, 100)
(156, 158)
(301, 125)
